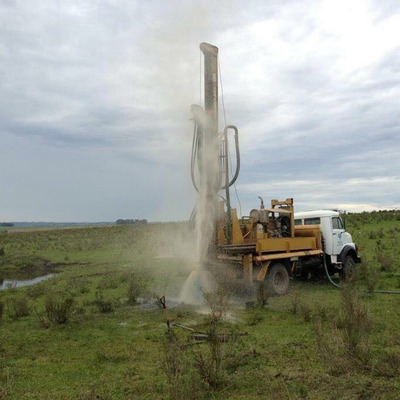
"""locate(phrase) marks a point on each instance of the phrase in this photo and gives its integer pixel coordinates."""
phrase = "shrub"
(41, 318)
(386, 261)
(1, 309)
(17, 307)
(109, 282)
(355, 323)
(368, 275)
(35, 291)
(344, 341)
(104, 306)
(59, 307)
(330, 347)
(218, 302)
(388, 364)
(6, 380)
(182, 379)
(191, 370)
(306, 312)
(254, 318)
(209, 361)
(80, 284)
(138, 283)
(295, 300)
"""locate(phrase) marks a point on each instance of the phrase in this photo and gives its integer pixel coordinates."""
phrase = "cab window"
(312, 221)
(337, 223)
(298, 222)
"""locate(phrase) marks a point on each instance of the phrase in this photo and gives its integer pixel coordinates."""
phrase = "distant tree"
(131, 221)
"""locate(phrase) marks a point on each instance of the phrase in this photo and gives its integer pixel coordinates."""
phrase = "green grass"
(118, 354)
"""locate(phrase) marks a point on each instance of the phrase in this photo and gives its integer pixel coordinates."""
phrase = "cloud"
(98, 93)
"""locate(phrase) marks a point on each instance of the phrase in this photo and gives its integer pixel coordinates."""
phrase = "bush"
(80, 284)
(355, 323)
(36, 291)
(110, 282)
(254, 318)
(388, 364)
(343, 342)
(306, 311)
(193, 370)
(138, 283)
(295, 300)
(386, 261)
(1, 309)
(59, 308)
(368, 275)
(17, 307)
(6, 380)
(218, 302)
(182, 378)
(209, 361)
(104, 306)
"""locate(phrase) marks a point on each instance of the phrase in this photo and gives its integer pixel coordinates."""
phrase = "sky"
(95, 103)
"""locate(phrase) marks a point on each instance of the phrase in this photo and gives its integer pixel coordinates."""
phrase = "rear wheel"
(278, 280)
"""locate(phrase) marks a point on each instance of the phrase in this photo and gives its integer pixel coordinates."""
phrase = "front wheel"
(349, 269)
(278, 280)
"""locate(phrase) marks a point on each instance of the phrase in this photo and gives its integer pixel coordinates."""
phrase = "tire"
(277, 280)
(349, 269)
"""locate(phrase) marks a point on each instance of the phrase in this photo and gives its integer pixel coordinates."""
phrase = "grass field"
(87, 334)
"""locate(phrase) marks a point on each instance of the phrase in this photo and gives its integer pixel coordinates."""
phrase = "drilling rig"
(269, 244)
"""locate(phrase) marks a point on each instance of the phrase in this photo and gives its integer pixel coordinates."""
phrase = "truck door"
(337, 235)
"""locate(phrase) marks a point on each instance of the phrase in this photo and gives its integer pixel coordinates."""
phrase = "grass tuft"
(59, 307)
(17, 307)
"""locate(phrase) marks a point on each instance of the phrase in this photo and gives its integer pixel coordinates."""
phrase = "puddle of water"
(14, 283)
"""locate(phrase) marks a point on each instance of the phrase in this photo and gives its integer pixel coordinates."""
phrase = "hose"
(233, 180)
(198, 132)
(196, 144)
(327, 274)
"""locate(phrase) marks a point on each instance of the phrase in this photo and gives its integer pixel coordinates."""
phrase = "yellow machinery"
(267, 240)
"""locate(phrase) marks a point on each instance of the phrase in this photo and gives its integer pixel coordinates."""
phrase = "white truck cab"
(339, 249)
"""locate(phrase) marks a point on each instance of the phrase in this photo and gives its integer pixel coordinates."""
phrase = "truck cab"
(340, 251)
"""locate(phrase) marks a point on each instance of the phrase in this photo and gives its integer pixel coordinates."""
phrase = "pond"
(15, 283)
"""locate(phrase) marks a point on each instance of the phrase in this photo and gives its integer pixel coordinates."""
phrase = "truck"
(272, 243)
(340, 253)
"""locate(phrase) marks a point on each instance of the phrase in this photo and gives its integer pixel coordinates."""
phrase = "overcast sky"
(95, 99)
